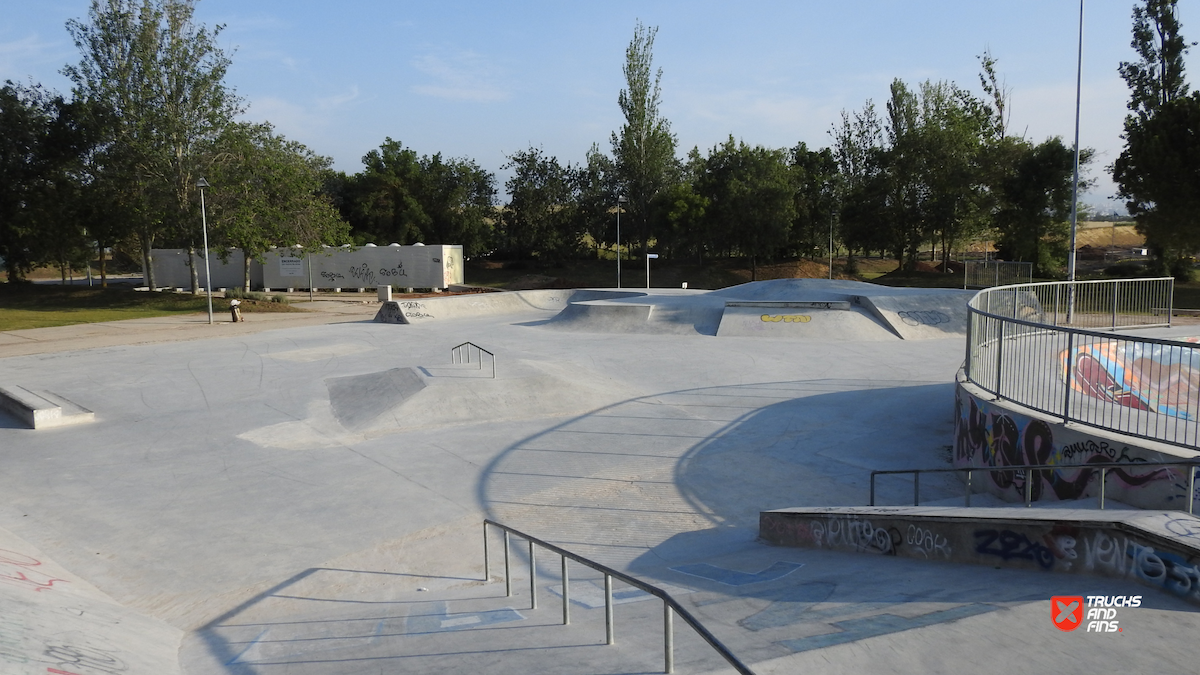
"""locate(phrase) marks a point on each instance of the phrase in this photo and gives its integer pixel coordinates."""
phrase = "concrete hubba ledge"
(998, 433)
(1158, 549)
(42, 409)
(390, 312)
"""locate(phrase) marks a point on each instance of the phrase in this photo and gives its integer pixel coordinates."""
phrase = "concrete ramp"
(52, 621)
(600, 316)
(921, 316)
(390, 312)
(821, 320)
(358, 400)
(420, 310)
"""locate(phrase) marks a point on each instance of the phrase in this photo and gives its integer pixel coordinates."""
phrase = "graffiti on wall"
(785, 318)
(1143, 376)
(997, 439)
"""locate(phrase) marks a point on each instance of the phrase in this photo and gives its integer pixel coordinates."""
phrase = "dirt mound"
(533, 282)
(792, 269)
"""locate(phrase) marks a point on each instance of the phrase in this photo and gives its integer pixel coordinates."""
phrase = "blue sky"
(485, 79)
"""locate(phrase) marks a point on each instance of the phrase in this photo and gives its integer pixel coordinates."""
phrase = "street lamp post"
(1075, 177)
(649, 257)
(207, 271)
(620, 200)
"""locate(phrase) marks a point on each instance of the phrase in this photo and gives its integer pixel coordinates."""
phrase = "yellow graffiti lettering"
(786, 318)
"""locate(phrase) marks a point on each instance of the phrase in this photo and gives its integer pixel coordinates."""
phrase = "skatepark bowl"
(310, 499)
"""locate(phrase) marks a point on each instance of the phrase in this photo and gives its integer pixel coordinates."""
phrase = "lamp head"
(201, 183)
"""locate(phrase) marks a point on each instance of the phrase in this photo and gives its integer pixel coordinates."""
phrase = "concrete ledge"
(1158, 549)
(41, 410)
(801, 304)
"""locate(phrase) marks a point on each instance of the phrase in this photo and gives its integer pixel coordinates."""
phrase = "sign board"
(291, 267)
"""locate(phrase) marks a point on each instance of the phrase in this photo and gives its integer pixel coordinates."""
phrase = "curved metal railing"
(670, 605)
(1053, 347)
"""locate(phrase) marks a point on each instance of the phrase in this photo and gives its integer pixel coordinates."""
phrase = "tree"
(749, 199)
(1158, 171)
(1034, 201)
(816, 181)
(266, 192)
(162, 75)
(42, 139)
(406, 198)
(644, 149)
(539, 218)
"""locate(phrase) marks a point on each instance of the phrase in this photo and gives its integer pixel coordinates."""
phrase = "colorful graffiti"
(1143, 376)
(998, 439)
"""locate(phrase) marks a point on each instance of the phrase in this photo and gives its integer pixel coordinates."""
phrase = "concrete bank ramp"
(820, 320)
(662, 311)
(910, 313)
(420, 310)
(51, 621)
(1158, 549)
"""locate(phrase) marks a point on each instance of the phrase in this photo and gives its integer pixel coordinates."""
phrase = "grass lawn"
(42, 305)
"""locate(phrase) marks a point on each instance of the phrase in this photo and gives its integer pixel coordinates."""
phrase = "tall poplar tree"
(1158, 172)
(644, 148)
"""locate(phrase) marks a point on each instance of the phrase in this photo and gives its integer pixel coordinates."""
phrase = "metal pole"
(620, 200)
(1075, 178)
(532, 578)
(872, 502)
(999, 358)
(207, 270)
(507, 571)
(486, 567)
(830, 244)
(1116, 290)
(608, 611)
(968, 488)
(1103, 472)
(566, 593)
(668, 640)
(1028, 488)
(1191, 487)
(1070, 377)
(916, 488)
(310, 288)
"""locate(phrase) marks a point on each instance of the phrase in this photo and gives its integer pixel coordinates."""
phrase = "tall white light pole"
(207, 271)
(1075, 178)
(620, 200)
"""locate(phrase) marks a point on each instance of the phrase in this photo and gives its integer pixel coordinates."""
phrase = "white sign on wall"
(291, 267)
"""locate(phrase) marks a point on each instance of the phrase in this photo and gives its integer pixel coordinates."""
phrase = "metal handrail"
(669, 603)
(1103, 467)
(994, 319)
(456, 355)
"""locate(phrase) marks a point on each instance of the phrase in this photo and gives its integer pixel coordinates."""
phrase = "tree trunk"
(192, 269)
(148, 262)
(246, 271)
(103, 270)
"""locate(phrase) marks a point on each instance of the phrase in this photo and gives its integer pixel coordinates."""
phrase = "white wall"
(365, 267)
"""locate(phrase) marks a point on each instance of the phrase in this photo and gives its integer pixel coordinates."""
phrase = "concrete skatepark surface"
(308, 498)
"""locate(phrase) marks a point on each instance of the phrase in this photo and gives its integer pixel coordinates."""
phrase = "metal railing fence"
(1043, 471)
(988, 273)
(1031, 344)
(670, 605)
(466, 349)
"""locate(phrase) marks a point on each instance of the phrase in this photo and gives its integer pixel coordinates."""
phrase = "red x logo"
(1066, 611)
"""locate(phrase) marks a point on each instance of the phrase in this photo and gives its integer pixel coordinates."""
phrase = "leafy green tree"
(539, 217)
(749, 198)
(42, 139)
(1158, 172)
(406, 198)
(596, 191)
(1034, 201)
(266, 192)
(644, 148)
(816, 180)
(163, 76)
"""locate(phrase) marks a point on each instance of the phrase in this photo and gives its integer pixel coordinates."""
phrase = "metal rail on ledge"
(670, 606)
(1102, 467)
(465, 349)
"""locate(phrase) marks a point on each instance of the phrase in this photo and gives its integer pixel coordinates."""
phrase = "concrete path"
(221, 493)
